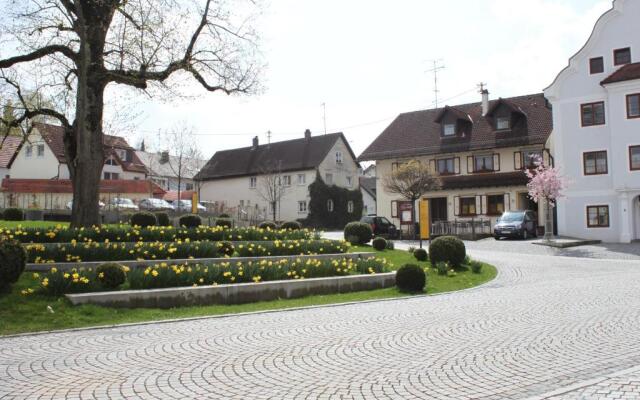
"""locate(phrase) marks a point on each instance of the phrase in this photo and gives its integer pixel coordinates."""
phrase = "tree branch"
(38, 54)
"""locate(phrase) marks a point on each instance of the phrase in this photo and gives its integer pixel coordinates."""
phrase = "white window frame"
(500, 120)
(287, 180)
(40, 147)
(328, 178)
(330, 205)
(253, 182)
(28, 151)
(349, 181)
(338, 157)
(449, 130)
(302, 206)
(302, 179)
(350, 206)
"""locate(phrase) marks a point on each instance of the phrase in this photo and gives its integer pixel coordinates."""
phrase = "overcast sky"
(368, 60)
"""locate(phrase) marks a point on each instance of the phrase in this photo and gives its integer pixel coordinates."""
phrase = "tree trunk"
(84, 141)
(548, 225)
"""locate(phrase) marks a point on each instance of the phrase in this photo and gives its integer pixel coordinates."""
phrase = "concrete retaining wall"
(234, 294)
(64, 266)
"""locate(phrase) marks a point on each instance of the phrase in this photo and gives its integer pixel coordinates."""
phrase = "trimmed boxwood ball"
(224, 215)
(268, 225)
(226, 248)
(13, 259)
(292, 225)
(420, 254)
(143, 219)
(163, 219)
(358, 233)
(110, 275)
(379, 243)
(448, 249)
(13, 214)
(225, 222)
(190, 221)
(411, 278)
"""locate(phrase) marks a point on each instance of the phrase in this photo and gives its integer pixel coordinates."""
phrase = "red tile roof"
(9, 149)
(53, 135)
(626, 73)
(173, 195)
(417, 133)
(64, 186)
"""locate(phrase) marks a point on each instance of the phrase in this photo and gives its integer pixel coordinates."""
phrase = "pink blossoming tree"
(545, 186)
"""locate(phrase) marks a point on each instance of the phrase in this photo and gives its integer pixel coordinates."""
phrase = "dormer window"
(449, 130)
(503, 123)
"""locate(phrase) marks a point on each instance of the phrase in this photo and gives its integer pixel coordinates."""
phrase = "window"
(111, 175)
(622, 56)
(328, 179)
(634, 158)
(330, 205)
(350, 206)
(592, 114)
(28, 151)
(253, 181)
(531, 158)
(302, 206)
(302, 178)
(483, 163)
(449, 130)
(188, 186)
(338, 157)
(595, 163)
(495, 204)
(633, 105)
(286, 180)
(596, 65)
(598, 216)
(503, 123)
(468, 206)
(446, 166)
(349, 181)
(41, 150)
(111, 161)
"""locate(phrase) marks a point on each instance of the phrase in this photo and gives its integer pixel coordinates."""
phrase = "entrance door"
(526, 203)
(438, 209)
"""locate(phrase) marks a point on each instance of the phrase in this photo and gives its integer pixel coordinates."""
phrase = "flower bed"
(165, 275)
(126, 233)
(107, 251)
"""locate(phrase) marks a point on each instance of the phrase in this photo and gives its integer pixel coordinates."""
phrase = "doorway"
(438, 209)
(526, 203)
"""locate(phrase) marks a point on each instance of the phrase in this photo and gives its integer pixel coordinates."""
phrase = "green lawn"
(31, 224)
(30, 313)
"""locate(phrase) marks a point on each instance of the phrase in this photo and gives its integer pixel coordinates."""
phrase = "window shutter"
(456, 205)
(456, 165)
(496, 162)
(517, 160)
(432, 166)
(507, 202)
(483, 210)
(469, 164)
(394, 209)
(478, 204)
(546, 157)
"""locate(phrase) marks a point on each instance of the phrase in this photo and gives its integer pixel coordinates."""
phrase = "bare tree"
(271, 187)
(184, 157)
(70, 51)
(411, 180)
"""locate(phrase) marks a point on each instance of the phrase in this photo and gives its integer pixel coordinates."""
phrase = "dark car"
(381, 226)
(518, 224)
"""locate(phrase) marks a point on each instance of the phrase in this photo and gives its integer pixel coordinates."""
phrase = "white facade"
(36, 160)
(601, 202)
(368, 202)
(243, 193)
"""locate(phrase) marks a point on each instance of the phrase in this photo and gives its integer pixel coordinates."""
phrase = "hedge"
(319, 214)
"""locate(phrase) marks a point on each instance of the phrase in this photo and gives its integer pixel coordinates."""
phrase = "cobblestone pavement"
(544, 323)
(620, 387)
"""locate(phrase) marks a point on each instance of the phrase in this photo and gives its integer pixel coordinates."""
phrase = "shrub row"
(12, 261)
(99, 251)
(125, 233)
(162, 275)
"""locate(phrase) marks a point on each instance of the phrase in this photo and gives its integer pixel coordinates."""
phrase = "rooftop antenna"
(268, 137)
(324, 116)
(437, 66)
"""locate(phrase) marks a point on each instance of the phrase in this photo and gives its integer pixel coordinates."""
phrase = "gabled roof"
(9, 147)
(625, 73)
(290, 155)
(368, 184)
(120, 186)
(459, 114)
(503, 102)
(417, 133)
(53, 135)
(164, 169)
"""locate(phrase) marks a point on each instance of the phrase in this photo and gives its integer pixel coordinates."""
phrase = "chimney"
(307, 134)
(485, 101)
(164, 157)
(255, 142)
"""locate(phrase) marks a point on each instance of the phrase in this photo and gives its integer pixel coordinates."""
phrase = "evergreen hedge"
(319, 214)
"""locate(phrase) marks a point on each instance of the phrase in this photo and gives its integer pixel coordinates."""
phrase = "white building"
(596, 119)
(166, 170)
(368, 189)
(237, 177)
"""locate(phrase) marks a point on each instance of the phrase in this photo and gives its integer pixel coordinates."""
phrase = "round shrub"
(190, 221)
(291, 225)
(268, 225)
(143, 219)
(358, 233)
(420, 254)
(13, 214)
(379, 243)
(224, 222)
(224, 215)
(447, 249)
(163, 219)
(411, 278)
(226, 248)
(110, 275)
(13, 259)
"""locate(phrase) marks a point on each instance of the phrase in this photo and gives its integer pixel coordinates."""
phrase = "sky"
(369, 60)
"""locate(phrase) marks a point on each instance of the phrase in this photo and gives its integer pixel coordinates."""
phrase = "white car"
(153, 204)
(120, 203)
(70, 205)
(185, 205)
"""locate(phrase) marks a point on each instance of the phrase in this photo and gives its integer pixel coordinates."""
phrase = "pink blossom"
(545, 183)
